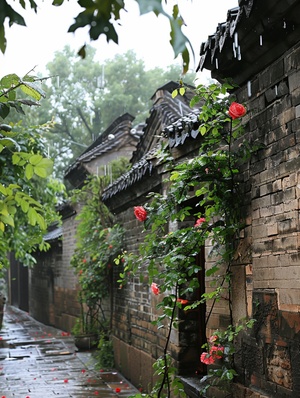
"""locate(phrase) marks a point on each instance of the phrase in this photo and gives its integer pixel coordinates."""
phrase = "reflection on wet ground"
(39, 361)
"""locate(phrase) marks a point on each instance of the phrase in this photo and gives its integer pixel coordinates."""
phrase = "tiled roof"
(177, 133)
(140, 169)
(106, 146)
(254, 35)
(181, 129)
(105, 143)
(54, 234)
(164, 111)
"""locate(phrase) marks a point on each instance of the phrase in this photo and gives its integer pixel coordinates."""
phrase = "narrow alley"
(39, 361)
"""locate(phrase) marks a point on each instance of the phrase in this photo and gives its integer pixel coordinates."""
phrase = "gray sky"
(46, 32)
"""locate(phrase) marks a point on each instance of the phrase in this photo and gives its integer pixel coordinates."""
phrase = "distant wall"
(53, 283)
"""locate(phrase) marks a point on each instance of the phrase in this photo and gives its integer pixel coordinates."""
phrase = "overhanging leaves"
(151, 6)
(4, 110)
(33, 90)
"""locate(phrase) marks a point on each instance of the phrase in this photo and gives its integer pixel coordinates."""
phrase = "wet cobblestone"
(38, 361)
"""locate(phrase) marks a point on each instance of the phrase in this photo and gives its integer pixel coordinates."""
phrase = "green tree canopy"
(84, 97)
(27, 195)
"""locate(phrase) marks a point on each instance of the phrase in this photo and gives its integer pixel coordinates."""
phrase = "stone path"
(38, 361)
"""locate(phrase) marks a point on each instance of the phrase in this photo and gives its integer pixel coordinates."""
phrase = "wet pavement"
(38, 361)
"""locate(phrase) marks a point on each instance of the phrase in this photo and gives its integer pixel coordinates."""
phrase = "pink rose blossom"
(217, 351)
(199, 222)
(155, 288)
(206, 358)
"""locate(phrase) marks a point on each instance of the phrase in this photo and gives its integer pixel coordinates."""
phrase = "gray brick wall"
(273, 209)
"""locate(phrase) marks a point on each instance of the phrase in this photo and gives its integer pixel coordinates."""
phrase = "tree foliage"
(85, 97)
(98, 241)
(101, 17)
(26, 203)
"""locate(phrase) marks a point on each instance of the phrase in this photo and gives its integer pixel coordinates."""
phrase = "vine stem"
(166, 369)
(229, 143)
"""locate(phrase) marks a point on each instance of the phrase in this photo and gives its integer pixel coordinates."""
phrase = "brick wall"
(137, 342)
(53, 284)
(42, 283)
(270, 275)
(266, 271)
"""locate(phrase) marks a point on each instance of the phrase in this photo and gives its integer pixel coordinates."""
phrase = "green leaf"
(202, 130)
(32, 216)
(29, 171)
(33, 90)
(9, 142)
(35, 159)
(41, 221)
(3, 208)
(7, 219)
(13, 16)
(82, 52)
(178, 39)
(40, 171)
(2, 45)
(16, 158)
(174, 93)
(10, 80)
(44, 168)
(24, 205)
(186, 59)
(212, 270)
(17, 106)
(151, 5)
(174, 176)
(4, 110)
(3, 190)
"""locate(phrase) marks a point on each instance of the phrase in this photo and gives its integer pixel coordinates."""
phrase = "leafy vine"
(99, 241)
(175, 231)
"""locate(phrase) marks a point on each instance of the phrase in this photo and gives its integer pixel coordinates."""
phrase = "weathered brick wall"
(42, 284)
(53, 283)
(136, 341)
(268, 268)
(67, 308)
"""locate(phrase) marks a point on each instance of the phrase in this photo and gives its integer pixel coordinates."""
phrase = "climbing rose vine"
(169, 254)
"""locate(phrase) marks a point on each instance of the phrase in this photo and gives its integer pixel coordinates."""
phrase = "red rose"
(199, 221)
(217, 351)
(206, 358)
(140, 213)
(236, 110)
(182, 301)
(155, 288)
